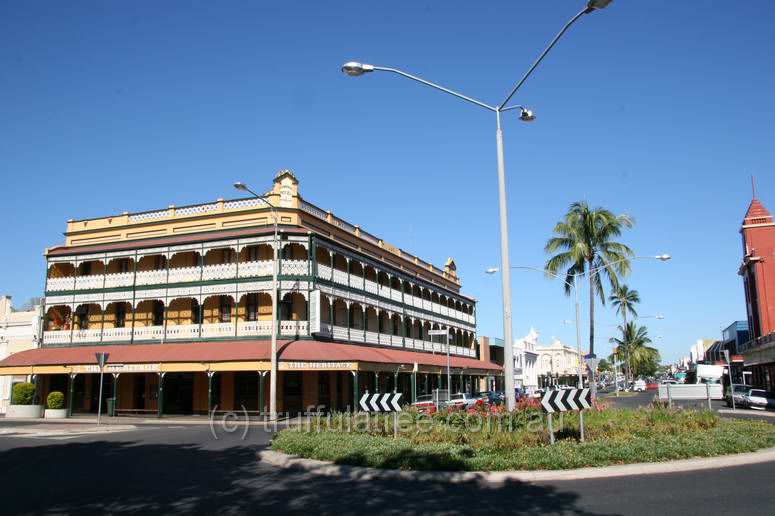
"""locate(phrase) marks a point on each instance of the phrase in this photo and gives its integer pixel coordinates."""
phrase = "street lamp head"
(492, 270)
(595, 5)
(526, 115)
(567, 321)
(660, 317)
(355, 69)
(239, 185)
(663, 257)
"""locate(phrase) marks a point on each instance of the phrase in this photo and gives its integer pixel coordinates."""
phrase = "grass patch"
(519, 441)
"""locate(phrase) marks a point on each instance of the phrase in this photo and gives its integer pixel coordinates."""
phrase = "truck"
(705, 373)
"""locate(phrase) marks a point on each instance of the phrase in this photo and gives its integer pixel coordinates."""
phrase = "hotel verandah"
(180, 299)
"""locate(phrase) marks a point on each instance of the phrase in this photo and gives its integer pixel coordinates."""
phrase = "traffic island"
(482, 440)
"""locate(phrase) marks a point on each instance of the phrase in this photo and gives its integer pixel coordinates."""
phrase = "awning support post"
(414, 386)
(261, 405)
(355, 390)
(160, 398)
(71, 395)
(210, 375)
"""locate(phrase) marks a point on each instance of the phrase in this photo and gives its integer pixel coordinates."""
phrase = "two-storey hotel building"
(180, 299)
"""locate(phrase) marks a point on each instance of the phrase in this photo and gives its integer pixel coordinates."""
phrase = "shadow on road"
(124, 477)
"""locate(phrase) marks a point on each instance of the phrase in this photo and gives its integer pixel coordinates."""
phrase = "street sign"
(566, 399)
(434, 333)
(102, 358)
(726, 355)
(387, 402)
(592, 363)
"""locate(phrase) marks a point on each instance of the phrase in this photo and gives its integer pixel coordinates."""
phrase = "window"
(82, 316)
(158, 313)
(224, 310)
(120, 315)
(252, 307)
(196, 313)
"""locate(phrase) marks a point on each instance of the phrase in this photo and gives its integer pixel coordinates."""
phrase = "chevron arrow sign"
(387, 402)
(566, 399)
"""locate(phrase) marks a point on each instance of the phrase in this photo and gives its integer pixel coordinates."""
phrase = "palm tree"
(584, 245)
(634, 343)
(624, 300)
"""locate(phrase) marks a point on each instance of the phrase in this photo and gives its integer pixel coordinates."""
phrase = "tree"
(635, 344)
(584, 245)
(604, 366)
(624, 300)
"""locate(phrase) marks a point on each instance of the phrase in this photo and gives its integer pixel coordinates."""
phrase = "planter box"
(23, 411)
(56, 413)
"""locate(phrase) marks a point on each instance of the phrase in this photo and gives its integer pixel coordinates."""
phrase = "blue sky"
(660, 109)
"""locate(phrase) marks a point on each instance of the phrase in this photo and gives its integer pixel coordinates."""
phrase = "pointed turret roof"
(757, 214)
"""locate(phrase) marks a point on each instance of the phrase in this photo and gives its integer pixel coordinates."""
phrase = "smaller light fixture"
(526, 115)
(492, 270)
(567, 321)
(660, 317)
(355, 69)
(239, 185)
(594, 5)
(663, 257)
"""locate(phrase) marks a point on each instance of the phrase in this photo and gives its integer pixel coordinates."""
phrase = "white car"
(462, 400)
(639, 386)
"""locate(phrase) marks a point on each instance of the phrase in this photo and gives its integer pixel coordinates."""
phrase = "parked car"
(739, 391)
(639, 385)
(424, 402)
(759, 399)
(462, 400)
(490, 397)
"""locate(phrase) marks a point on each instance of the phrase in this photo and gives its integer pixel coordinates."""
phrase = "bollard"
(707, 391)
(669, 397)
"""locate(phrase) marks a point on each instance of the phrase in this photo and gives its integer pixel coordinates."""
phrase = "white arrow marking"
(384, 401)
(570, 400)
(585, 399)
(365, 402)
(396, 406)
(374, 402)
(545, 402)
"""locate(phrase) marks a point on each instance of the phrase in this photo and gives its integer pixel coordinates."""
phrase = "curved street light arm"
(541, 57)
(598, 269)
(435, 86)
(545, 272)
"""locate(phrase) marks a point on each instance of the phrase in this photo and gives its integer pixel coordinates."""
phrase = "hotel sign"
(117, 368)
(314, 366)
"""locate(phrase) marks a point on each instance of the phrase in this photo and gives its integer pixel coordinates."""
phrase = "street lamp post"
(273, 353)
(355, 69)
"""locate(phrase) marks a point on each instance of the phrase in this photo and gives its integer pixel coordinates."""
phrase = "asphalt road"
(184, 469)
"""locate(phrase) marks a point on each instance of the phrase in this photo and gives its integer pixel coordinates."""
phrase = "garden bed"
(497, 441)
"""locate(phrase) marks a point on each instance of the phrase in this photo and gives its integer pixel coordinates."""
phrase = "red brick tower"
(758, 269)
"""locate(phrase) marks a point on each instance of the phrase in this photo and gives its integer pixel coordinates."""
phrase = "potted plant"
(22, 398)
(56, 406)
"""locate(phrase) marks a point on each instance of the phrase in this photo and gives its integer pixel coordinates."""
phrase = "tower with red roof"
(758, 272)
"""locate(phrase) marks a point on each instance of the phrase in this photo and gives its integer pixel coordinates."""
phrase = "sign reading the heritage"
(291, 366)
(117, 368)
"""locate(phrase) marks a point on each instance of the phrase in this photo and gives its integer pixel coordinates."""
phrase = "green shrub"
(55, 400)
(23, 393)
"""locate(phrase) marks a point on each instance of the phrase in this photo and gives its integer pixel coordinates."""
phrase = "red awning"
(243, 350)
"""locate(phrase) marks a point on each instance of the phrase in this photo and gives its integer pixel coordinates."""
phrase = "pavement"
(193, 469)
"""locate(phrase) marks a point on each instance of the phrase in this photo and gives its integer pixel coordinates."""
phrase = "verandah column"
(414, 386)
(115, 393)
(160, 397)
(261, 406)
(210, 375)
(71, 395)
(355, 390)
(376, 381)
